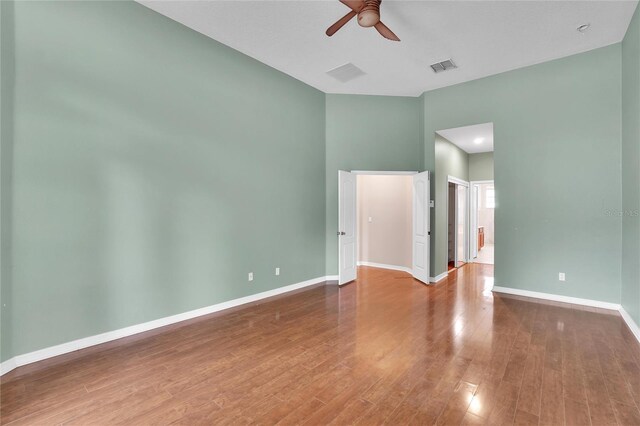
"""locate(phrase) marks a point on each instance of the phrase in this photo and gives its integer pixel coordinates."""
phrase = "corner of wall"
(6, 173)
(630, 161)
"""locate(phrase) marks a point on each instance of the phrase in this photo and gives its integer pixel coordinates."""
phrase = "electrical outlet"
(277, 271)
(370, 219)
(250, 276)
(561, 276)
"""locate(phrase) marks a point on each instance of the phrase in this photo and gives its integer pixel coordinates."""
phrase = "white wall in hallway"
(384, 219)
(485, 214)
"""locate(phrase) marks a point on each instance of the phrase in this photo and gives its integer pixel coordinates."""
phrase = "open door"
(473, 228)
(462, 224)
(421, 225)
(347, 260)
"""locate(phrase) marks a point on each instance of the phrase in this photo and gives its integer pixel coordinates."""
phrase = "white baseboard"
(403, 269)
(7, 366)
(439, 277)
(50, 352)
(385, 266)
(333, 278)
(86, 342)
(558, 298)
(630, 323)
(633, 327)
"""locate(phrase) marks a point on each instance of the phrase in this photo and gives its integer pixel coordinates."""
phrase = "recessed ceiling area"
(472, 139)
(482, 37)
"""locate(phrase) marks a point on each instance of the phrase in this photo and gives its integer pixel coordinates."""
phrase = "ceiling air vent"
(443, 66)
(346, 72)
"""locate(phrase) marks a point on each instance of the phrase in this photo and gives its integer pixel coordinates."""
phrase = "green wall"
(140, 186)
(481, 166)
(631, 169)
(367, 133)
(6, 156)
(153, 169)
(450, 161)
(557, 170)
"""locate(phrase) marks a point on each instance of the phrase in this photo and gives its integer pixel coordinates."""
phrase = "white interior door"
(462, 225)
(421, 225)
(348, 270)
(473, 231)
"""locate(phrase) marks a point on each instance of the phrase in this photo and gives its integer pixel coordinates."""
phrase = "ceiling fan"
(368, 12)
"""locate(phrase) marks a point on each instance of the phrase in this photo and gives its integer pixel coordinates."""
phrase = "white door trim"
(474, 199)
(458, 181)
(473, 217)
(374, 172)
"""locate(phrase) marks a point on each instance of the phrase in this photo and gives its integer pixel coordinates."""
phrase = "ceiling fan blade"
(386, 32)
(340, 23)
(355, 5)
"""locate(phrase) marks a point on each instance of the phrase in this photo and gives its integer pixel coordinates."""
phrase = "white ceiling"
(464, 137)
(482, 37)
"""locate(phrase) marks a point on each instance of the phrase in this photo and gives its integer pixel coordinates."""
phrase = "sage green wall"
(481, 166)
(631, 169)
(557, 169)
(6, 155)
(141, 186)
(153, 169)
(367, 133)
(450, 161)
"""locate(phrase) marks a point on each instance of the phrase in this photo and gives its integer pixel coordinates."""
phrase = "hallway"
(485, 255)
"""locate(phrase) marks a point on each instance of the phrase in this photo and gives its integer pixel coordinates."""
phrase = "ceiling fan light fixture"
(368, 15)
(368, 18)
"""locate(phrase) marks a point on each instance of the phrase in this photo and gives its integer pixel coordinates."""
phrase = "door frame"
(368, 172)
(387, 172)
(467, 250)
(474, 214)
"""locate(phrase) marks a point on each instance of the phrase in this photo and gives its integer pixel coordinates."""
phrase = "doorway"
(458, 223)
(384, 221)
(464, 159)
(356, 219)
(483, 203)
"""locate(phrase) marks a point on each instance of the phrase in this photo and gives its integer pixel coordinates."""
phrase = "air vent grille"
(443, 66)
(346, 72)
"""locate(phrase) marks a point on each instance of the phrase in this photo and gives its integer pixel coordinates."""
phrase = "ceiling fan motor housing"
(369, 15)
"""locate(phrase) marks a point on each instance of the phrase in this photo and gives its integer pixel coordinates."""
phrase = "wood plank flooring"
(383, 350)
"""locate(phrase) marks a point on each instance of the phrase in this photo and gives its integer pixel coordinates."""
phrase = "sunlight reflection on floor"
(487, 286)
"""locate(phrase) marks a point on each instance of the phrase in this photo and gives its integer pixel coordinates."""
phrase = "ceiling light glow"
(478, 141)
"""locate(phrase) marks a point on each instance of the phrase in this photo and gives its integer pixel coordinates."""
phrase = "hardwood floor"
(385, 349)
